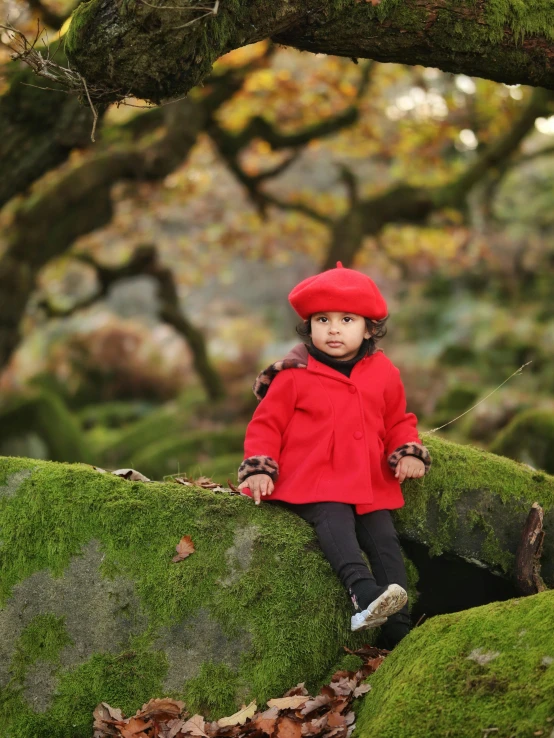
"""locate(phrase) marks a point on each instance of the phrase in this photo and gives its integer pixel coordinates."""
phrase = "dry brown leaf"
(174, 727)
(134, 727)
(344, 686)
(183, 480)
(313, 727)
(240, 717)
(162, 709)
(265, 721)
(318, 701)
(195, 726)
(335, 719)
(288, 703)
(350, 717)
(287, 728)
(184, 548)
(131, 474)
(362, 689)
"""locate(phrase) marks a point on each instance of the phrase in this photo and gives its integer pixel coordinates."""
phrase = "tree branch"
(154, 57)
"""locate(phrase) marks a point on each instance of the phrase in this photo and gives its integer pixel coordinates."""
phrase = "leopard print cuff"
(410, 449)
(258, 465)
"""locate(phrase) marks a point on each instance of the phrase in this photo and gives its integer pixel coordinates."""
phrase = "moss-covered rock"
(92, 607)
(529, 438)
(490, 668)
(474, 504)
(40, 417)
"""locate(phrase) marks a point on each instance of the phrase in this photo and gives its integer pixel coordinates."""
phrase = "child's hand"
(409, 466)
(259, 484)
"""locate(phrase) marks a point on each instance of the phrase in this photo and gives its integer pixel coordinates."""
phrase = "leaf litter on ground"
(294, 715)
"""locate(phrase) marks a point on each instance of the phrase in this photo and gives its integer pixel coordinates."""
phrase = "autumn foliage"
(295, 715)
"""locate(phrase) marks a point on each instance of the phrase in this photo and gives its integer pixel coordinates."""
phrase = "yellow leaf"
(239, 718)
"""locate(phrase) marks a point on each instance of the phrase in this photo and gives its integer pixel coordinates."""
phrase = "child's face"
(338, 334)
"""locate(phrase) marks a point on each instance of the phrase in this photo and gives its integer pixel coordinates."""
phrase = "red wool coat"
(324, 437)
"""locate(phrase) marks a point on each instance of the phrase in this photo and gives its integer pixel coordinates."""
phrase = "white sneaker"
(392, 600)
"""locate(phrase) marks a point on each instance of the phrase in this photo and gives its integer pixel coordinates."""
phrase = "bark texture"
(133, 48)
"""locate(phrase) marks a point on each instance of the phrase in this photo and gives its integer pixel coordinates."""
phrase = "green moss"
(534, 17)
(284, 603)
(214, 690)
(529, 438)
(42, 640)
(466, 480)
(431, 685)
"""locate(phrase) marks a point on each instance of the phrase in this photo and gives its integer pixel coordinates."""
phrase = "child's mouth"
(334, 344)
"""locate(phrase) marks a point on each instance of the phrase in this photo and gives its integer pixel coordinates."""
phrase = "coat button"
(352, 389)
(358, 435)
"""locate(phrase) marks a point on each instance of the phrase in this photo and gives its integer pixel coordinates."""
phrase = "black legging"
(343, 535)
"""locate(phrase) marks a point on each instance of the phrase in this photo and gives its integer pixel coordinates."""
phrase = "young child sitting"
(331, 440)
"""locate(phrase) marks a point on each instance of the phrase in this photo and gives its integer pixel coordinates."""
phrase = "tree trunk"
(154, 53)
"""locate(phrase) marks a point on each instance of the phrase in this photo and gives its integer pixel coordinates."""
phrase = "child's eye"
(321, 319)
(348, 318)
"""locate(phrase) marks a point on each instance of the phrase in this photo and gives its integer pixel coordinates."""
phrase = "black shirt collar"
(344, 367)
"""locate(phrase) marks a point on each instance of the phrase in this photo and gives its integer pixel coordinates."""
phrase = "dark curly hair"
(377, 328)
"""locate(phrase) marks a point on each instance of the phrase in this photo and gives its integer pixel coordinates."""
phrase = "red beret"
(341, 290)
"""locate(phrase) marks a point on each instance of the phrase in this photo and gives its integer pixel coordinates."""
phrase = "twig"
(94, 111)
(420, 619)
(213, 11)
(517, 371)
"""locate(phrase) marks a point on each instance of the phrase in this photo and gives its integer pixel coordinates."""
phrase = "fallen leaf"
(335, 719)
(162, 709)
(131, 474)
(287, 728)
(240, 717)
(184, 548)
(182, 480)
(175, 727)
(287, 703)
(312, 727)
(362, 689)
(318, 701)
(265, 721)
(195, 726)
(134, 727)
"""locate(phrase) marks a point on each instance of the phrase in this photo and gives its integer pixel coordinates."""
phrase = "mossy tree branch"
(158, 53)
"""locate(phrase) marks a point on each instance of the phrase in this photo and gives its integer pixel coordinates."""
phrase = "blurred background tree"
(143, 277)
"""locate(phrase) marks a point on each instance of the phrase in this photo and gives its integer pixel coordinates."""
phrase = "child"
(331, 440)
